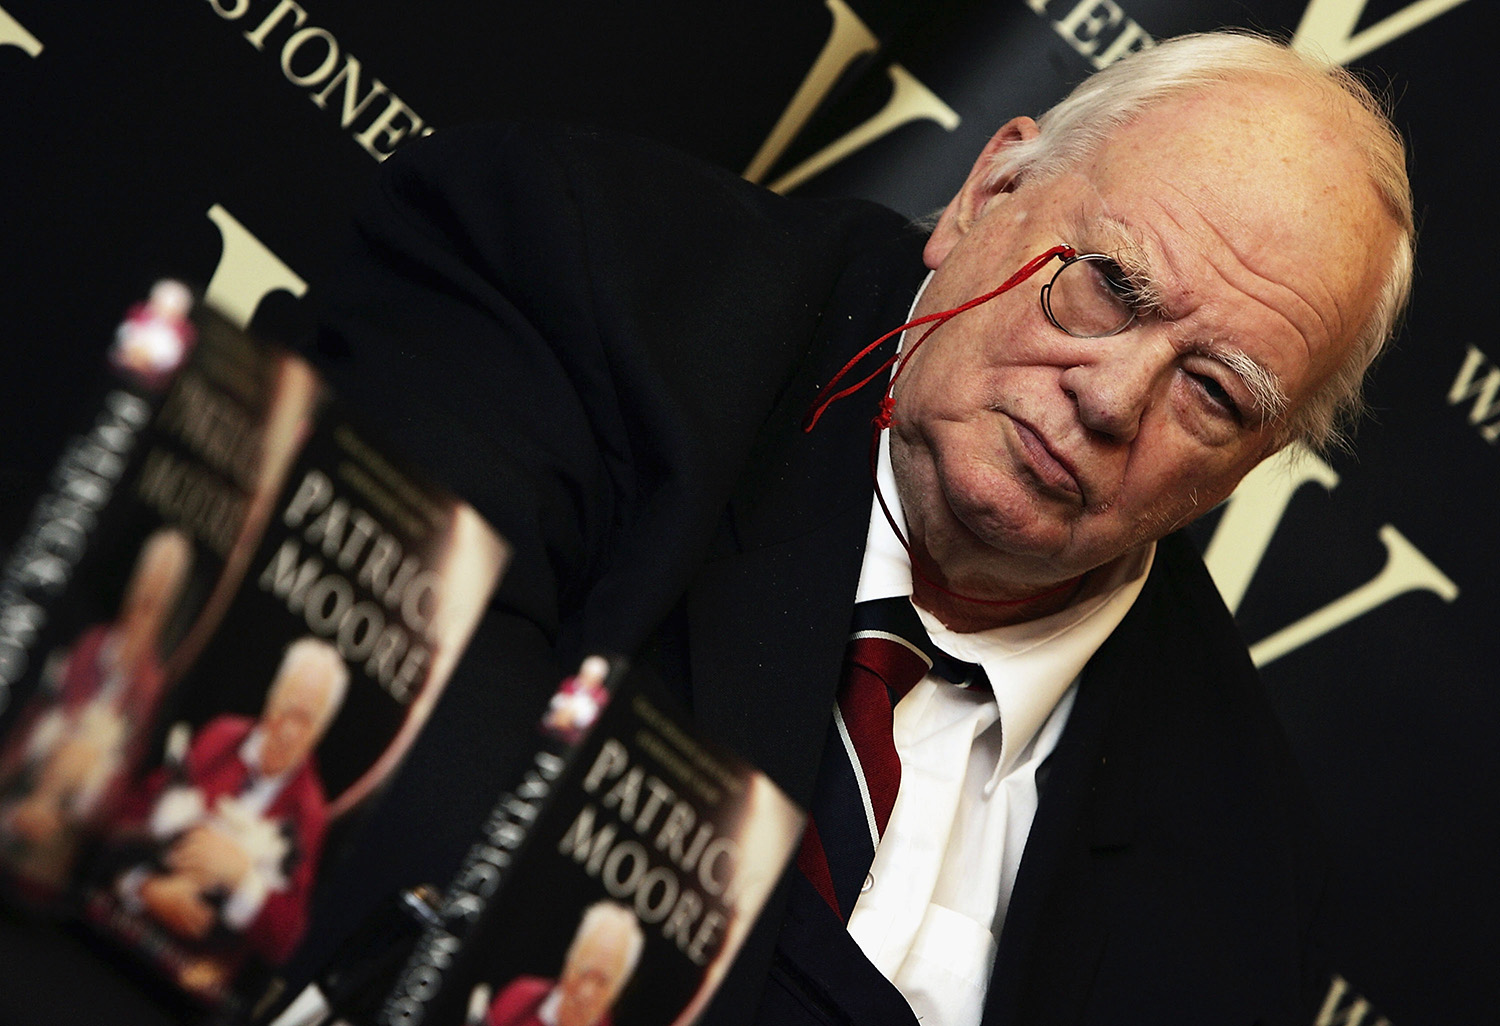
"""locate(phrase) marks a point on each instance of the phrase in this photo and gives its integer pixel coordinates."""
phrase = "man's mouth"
(1052, 470)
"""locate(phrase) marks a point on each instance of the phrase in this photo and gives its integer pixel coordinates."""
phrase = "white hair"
(611, 917)
(1076, 128)
(325, 665)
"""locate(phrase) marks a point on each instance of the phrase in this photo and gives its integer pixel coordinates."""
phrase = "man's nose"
(1115, 386)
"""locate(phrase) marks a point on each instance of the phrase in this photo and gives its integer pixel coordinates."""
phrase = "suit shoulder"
(1202, 688)
(1209, 699)
(625, 186)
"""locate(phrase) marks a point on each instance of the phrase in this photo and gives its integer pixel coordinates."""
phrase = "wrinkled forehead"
(1274, 159)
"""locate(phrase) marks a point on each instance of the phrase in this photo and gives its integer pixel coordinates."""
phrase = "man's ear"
(978, 190)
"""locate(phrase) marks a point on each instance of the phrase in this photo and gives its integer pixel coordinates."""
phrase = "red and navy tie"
(888, 653)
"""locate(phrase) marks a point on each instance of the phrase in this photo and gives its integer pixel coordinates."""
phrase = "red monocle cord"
(827, 396)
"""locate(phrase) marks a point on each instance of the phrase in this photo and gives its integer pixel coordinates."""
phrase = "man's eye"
(1216, 393)
(1116, 280)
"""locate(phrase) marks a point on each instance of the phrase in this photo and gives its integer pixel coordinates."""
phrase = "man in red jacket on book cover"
(236, 829)
(599, 963)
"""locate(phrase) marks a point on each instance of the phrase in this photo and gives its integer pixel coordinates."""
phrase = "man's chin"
(1026, 533)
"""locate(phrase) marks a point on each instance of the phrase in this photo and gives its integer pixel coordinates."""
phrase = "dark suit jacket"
(609, 349)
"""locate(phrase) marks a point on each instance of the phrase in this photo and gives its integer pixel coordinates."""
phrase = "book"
(231, 613)
(614, 882)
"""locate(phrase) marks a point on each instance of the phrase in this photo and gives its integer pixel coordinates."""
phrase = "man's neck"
(971, 615)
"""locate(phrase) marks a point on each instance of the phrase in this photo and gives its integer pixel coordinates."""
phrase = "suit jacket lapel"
(1058, 920)
(754, 637)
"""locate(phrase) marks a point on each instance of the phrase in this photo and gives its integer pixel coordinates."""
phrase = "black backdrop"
(227, 141)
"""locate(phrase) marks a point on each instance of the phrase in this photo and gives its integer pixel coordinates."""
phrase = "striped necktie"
(888, 653)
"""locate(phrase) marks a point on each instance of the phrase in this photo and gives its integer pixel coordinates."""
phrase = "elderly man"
(612, 351)
(237, 828)
(82, 735)
(599, 963)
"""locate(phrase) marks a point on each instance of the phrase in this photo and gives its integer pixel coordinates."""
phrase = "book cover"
(613, 884)
(261, 615)
(146, 528)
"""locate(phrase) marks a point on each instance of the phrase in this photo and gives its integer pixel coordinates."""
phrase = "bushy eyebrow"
(1122, 246)
(1265, 388)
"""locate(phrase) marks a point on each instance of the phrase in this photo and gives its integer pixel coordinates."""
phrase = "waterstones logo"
(1328, 26)
(1478, 383)
(848, 39)
(247, 271)
(1254, 512)
(1101, 32)
(13, 33)
(1343, 1007)
(1098, 30)
(311, 58)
